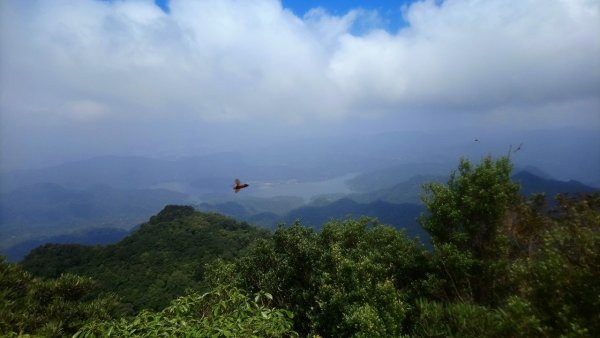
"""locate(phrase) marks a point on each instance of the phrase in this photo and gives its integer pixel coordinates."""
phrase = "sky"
(88, 77)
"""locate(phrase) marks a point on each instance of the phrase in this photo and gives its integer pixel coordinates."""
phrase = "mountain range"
(398, 205)
(531, 184)
(39, 212)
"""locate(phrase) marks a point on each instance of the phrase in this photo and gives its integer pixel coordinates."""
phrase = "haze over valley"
(288, 181)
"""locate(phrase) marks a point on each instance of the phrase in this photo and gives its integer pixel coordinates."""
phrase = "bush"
(224, 312)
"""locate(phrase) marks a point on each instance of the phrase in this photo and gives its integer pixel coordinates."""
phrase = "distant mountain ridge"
(32, 213)
(404, 192)
(531, 179)
(531, 183)
(398, 205)
(387, 178)
(400, 216)
(95, 236)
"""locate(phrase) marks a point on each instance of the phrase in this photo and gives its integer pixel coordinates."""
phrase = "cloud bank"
(68, 64)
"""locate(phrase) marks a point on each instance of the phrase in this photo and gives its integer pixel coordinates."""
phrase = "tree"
(351, 279)
(49, 308)
(508, 265)
(284, 265)
(557, 283)
(466, 221)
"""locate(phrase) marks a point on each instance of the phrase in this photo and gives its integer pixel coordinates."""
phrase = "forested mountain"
(156, 263)
(500, 265)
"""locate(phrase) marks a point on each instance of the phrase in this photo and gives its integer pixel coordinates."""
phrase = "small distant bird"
(239, 185)
(476, 140)
(518, 148)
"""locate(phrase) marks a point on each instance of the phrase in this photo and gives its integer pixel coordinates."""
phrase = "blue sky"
(341, 6)
(389, 10)
(299, 7)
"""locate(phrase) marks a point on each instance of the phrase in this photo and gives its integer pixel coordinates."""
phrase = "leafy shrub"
(224, 312)
(456, 320)
(49, 308)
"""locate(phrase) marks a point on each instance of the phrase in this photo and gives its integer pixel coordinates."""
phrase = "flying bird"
(239, 185)
(518, 148)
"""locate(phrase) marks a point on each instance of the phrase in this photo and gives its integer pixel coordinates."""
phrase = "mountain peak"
(172, 212)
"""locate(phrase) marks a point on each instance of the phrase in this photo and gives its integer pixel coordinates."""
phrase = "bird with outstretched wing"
(237, 186)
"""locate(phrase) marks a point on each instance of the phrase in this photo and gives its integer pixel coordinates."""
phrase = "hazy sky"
(86, 77)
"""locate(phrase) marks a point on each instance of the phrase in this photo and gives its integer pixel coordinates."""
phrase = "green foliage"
(466, 221)
(456, 320)
(534, 270)
(48, 308)
(347, 280)
(157, 263)
(284, 265)
(469, 210)
(366, 273)
(224, 312)
(450, 274)
(558, 283)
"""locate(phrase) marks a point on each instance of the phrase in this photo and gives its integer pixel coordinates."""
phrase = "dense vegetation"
(50, 308)
(500, 265)
(156, 263)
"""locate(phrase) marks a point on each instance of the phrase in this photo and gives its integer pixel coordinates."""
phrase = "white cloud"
(230, 59)
(84, 110)
(466, 55)
(252, 60)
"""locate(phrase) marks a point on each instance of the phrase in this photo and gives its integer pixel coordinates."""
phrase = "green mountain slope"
(155, 264)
